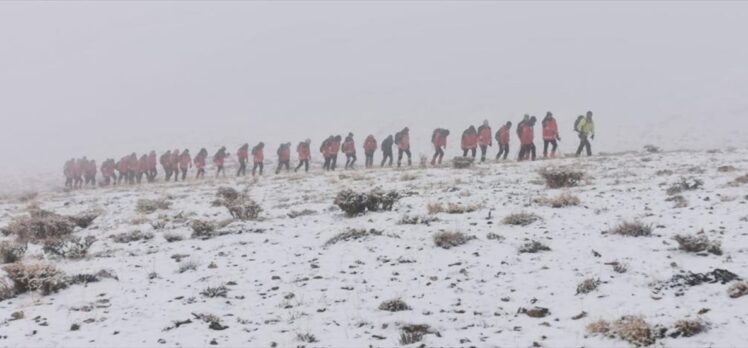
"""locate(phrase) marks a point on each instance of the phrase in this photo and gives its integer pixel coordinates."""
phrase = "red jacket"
(152, 161)
(469, 141)
(484, 135)
(142, 164)
(333, 147)
(122, 164)
(184, 161)
(243, 154)
(199, 162)
(349, 147)
(370, 144)
(107, 169)
(304, 152)
(528, 135)
(440, 139)
(258, 155)
(404, 143)
(174, 160)
(284, 154)
(503, 135)
(550, 129)
(133, 164)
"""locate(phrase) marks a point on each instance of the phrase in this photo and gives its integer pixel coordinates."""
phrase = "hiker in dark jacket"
(387, 150)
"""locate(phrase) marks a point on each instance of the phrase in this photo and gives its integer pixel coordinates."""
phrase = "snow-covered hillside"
(286, 285)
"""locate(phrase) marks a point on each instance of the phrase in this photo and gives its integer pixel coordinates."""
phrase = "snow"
(286, 283)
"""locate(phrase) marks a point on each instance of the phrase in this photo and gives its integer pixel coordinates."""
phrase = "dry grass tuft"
(462, 162)
(679, 200)
(520, 219)
(698, 243)
(132, 236)
(565, 199)
(356, 203)
(215, 291)
(447, 240)
(11, 251)
(685, 184)
(629, 328)
(738, 289)
(417, 220)
(36, 276)
(632, 229)
(587, 286)
(40, 225)
(688, 328)
(533, 247)
(556, 177)
(69, 247)
(413, 333)
(352, 234)
(147, 206)
(395, 305)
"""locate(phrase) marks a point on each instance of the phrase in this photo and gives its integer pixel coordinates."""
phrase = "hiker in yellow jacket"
(586, 129)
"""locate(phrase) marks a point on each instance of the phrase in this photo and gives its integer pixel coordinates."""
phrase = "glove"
(592, 137)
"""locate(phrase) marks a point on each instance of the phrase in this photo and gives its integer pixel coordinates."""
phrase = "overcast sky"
(106, 78)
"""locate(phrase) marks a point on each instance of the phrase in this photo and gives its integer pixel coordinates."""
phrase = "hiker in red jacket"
(370, 146)
(439, 139)
(305, 154)
(243, 156)
(77, 171)
(122, 169)
(67, 170)
(174, 163)
(142, 168)
(527, 139)
(484, 139)
(550, 134)
(199, 162)
(218, 161)
(258, 156)
(185, 163)
(502, 138)
(349, 149)
(469, 141)
(324, 149)
(284, 157)
(89, 173)
(164, 160)
(152, 164)
(132, 168)
(402, 139)
(107, 171)
(334, 149)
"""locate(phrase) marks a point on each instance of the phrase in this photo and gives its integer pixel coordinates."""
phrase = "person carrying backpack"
(484, 139)
(586, 129)
(502, 138)
(439, 139)
(550, 134)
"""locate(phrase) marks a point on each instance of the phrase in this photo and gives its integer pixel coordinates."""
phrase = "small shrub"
(214, 322)
(227, 193)
(201, 229)
(244, 209)
(454, 208)
(520, 219)
(213, 292)
(133, 236)
(494, 236)
(533, 247)
(435, 208)
(738, 289)
(664, 172)
(173, 237)
(85, 278)
(352, 234)
(632, 229)
(395, 305)
(629, 328)
(685, 184)
(36, 276)
(356, 203)
(416, 220)
(619, 267)
(587, 286)
(679, 200)
(413, 333)
(83, 220)
(70, 247)
(563, 200)
(447, 240)
(688, 328)
(698, 243)
(187, 265)
(535, 312)
(652, 149)
(726, 169)
(556, 177)
(306, 337)
(147, 206)
(462, 162)
(40, 225)
(741, 180)
(11, 251)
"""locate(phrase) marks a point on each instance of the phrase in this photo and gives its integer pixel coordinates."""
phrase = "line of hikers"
(132, 169)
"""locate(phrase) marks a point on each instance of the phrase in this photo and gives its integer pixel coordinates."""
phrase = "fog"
(107, 78)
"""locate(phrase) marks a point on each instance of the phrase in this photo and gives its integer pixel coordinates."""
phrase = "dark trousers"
(527, 150)
(167, 173)
(219, 171)
(483, 149)
(553, 149)
(200, 173)
(242, 171)
(465, 152)
(584, 143)
(369, 161)
(385, 156)
(304, 163)
(184, 174)
(503, 150)
(349, 160)
(282, 164)
(400, 153)
(256, 166)
(438, 155)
